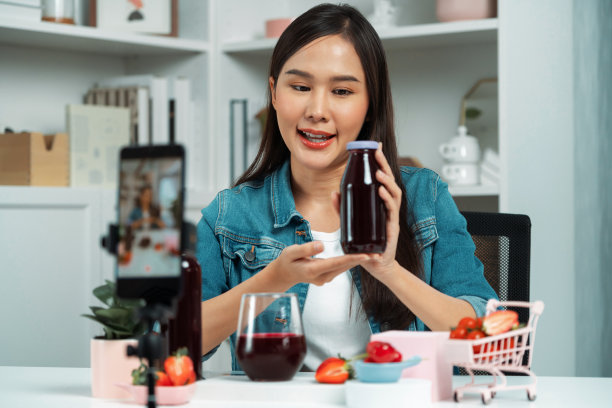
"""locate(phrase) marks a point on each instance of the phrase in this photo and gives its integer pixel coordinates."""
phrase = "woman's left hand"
(382, 265)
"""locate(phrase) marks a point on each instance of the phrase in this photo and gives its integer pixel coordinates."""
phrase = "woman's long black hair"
(344, 20)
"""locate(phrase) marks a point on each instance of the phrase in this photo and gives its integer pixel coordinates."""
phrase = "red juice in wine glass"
(271, 356)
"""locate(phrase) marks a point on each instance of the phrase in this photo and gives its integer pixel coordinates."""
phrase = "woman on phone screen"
(277, 229)
(145, 214)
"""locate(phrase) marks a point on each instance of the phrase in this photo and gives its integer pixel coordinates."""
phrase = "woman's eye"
(342, 92)
(300, 88)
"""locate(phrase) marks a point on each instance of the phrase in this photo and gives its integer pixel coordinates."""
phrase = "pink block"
(430, 346)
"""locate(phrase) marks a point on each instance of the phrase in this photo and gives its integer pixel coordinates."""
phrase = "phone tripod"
(151, 345)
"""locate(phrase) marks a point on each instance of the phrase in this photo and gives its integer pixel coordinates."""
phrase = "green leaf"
(472, 113)
(112, 333)
(113, 322)
(94, 309)
(132, 304)
(118, 319)
(94, 318)
(115, 314)
(139, 375)
(105, 293)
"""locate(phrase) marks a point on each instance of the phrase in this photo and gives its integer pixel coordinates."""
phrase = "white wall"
(559, 170)
(537, 138)
(593, 185)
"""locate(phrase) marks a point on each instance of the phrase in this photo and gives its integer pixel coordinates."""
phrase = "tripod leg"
(151, 403)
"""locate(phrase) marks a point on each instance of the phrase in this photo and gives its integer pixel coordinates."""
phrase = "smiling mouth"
(315, 138)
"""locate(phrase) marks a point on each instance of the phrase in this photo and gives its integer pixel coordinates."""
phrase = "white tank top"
(328, 327)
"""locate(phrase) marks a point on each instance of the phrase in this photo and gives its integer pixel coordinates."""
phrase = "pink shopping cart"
(498, 354)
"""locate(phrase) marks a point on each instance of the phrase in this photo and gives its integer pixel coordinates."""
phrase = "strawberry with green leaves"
(334, 370)
(179, 367)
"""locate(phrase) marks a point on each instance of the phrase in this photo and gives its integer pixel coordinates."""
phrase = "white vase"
(110, 365)
(384, 15)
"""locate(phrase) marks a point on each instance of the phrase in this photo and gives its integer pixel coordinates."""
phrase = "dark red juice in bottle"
(271, 356)
(362, 213)
(185, 328)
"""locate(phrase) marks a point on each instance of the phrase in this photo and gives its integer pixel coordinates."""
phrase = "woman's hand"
(381, 265)
(295, 265)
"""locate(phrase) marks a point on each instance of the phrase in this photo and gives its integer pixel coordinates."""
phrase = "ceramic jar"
(462, 153)
(462, 148)
(453, 10)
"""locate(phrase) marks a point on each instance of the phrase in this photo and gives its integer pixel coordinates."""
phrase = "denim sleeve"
(209, 255)
(456, 271)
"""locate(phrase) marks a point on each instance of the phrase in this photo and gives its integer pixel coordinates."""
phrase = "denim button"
(384, 326)
(250, 256)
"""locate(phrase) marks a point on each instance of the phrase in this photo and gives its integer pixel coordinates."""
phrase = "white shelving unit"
(408, 37)
(63, 52)
(87, 39)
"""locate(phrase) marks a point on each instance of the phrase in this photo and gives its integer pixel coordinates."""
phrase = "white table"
(52, 387)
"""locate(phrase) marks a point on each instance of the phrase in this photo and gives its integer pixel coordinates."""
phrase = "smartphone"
(150, 223)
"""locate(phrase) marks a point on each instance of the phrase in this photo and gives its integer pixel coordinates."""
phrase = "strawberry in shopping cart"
(499, 322)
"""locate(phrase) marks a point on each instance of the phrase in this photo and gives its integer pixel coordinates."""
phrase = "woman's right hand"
(295, 264)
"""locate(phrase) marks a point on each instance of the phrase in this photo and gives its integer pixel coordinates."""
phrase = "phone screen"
(150, 217)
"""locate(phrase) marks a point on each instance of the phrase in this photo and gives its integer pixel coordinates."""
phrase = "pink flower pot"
(109, 365)
(453, 10)
(274, 28)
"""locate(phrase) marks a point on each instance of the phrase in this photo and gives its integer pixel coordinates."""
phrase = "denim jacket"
(245, 228)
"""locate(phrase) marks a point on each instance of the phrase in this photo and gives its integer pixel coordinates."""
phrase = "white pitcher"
(462, 148)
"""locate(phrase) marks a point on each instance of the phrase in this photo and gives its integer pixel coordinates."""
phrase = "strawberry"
(334, 370)
(179, 367)
(162, 379)
(475, 335)
(382, 352)
(499, 322)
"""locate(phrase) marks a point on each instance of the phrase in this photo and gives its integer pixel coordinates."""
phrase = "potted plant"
(109, 361)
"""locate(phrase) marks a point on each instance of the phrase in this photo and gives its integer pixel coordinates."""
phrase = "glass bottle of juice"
(362, 212)
(185, 329)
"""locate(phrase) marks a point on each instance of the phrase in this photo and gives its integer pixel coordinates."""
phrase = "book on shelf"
(136, 98)
(96, 134)
(158, 102)
(181, 119)
(23, 10)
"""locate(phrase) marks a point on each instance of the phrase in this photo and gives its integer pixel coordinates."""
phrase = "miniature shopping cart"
(509, 352)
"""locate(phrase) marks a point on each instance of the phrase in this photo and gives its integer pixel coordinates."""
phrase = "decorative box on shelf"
(34, 159)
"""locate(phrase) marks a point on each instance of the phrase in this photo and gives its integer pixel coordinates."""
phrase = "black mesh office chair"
(503, 244)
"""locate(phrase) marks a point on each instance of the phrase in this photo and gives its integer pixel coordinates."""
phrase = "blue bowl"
(383, 372)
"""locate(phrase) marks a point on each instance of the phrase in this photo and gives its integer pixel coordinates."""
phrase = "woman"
(277, 230)
(145, 214)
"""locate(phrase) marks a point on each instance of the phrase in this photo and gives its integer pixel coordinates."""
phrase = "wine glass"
(270, 344)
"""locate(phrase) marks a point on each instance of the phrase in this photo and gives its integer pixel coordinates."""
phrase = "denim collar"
(283, 203)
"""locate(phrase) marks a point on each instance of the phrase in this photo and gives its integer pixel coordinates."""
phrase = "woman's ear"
(272, 91)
